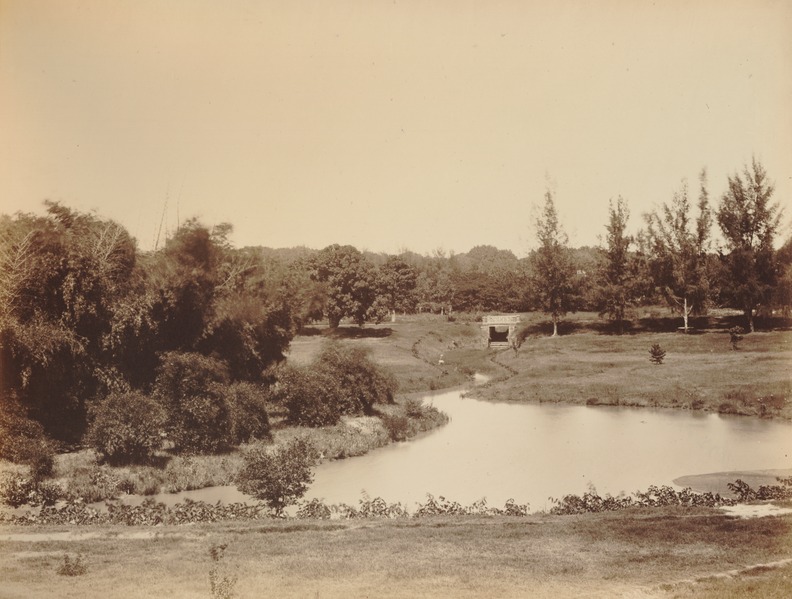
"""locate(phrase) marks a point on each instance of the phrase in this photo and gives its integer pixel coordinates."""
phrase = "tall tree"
(351, 283)
(553, 283)
(615, 286)
(398, 280)
(749, 222)
(61, 276)
(678, 259)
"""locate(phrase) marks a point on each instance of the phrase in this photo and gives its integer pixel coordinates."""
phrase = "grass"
(663, 552)
(699, 372)
(410, 348)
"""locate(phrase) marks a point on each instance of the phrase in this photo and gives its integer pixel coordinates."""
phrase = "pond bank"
(717, 482)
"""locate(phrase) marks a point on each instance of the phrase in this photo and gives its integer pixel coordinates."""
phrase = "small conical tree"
(656, 354)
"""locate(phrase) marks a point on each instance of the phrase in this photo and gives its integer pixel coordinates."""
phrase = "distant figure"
(441, 361)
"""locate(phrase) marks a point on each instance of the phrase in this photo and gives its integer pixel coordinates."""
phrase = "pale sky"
(387, 125)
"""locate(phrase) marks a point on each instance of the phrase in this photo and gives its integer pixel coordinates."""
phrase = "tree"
(62, 276)
(616, 278)
(398, 281)
(279, 476)
(678, 259)
(351, 283)
(553, 276)
(749, 222)
(782, 296)
(191, 389)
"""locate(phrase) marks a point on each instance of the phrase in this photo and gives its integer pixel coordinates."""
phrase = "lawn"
(699, 372)
(669, 552)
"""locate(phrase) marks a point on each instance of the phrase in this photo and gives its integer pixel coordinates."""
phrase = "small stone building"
(499, 329)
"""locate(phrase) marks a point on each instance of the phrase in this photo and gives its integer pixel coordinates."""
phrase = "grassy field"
(700, 372)
(640, 553)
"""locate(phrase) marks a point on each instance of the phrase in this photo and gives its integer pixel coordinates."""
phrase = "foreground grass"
(668, 552)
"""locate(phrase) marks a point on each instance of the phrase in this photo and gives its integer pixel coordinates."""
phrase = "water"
(529, 452)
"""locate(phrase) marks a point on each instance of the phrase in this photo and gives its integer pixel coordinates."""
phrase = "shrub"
(17, 489)
(190, 387)
(361, 381)
(278, 476)
(398, 426)
(248, 412)
(314, 510)
(23, 441)
(221, 583)
(72, 567)
(413, 408)
(735, 336)
(126, 428)
(186, 374)
(311, 397)
(656, 354)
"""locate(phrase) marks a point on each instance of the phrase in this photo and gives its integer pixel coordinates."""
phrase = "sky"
(418, 125)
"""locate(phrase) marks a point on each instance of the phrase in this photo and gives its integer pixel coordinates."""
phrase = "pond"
(529, 452)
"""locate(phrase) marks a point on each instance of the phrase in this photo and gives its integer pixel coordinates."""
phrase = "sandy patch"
(717, 482)
(759, 510)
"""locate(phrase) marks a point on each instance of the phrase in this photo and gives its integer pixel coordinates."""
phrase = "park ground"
(665, 552)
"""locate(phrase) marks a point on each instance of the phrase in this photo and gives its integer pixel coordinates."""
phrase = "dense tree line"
(88, 322)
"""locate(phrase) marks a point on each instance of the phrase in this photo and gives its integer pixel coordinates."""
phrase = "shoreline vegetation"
(426, 353)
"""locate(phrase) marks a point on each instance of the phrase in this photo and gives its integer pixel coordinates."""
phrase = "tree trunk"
(393, 316)
(555, 326)
(750, 317)
(334, 321)
(685, 314)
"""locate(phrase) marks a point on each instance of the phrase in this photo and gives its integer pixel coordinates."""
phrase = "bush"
(190, 387)
(126, 428)
(23, 441)
(17, 489)
(414, 408)
(278, 476)
(398, 426)
(248, 412)
(72, 567)
(310, 396)
(362, 382)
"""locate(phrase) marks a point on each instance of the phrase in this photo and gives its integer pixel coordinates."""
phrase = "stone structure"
(499, 329)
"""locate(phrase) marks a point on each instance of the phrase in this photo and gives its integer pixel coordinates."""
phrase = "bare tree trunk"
(685, 314)
(750, 316)
(555, 326)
